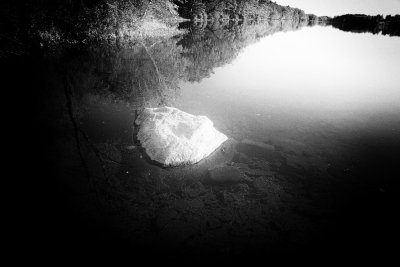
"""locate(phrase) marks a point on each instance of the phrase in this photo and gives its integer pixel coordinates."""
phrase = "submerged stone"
(173, 137)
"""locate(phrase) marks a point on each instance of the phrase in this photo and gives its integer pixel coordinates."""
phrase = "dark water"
(311, 166)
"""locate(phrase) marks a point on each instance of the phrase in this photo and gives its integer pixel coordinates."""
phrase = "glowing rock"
(173, 137)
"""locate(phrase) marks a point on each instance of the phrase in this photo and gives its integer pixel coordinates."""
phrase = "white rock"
(173, 137)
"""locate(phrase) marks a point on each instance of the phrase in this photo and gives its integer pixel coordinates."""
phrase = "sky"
(340, 7)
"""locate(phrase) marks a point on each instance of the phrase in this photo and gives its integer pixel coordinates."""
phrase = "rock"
(225, 174)
(173, 137)
(221, 156)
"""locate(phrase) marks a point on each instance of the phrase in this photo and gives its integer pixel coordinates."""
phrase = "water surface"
(313, 119)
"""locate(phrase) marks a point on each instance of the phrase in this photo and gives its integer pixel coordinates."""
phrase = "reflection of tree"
(148, 72)
(160, 78)
(141, 74)
(218, 44)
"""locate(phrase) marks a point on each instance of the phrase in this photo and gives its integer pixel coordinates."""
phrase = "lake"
(313, 120)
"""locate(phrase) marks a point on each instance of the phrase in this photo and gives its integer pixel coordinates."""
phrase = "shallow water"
(316, 91)
(313, 117)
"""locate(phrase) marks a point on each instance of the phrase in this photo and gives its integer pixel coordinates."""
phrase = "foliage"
(128, 19)
(240, 9)
(38, 23)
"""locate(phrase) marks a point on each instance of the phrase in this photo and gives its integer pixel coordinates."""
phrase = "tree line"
(238, 10)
